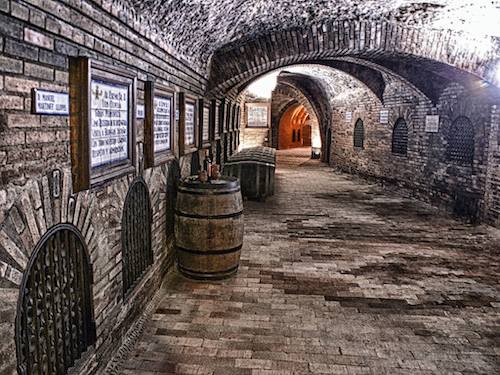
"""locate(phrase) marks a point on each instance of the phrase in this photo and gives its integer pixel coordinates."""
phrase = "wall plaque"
(102, 122)
(384, 116)
(215, 124)
(190, 123)
(257, 115)
(348, 116)
(158, 129)
(109, 121)
(140, 112)
(228, 118)
(162, 123)
(432, 123)
(206, 124)
(45, 102)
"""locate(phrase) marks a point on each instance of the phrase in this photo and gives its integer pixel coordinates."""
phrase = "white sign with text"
(162, 111)
(206, 123)
(384, 116)
(109, 123)
(348, 117)
(432, 123)
(50, 103)
(141, 112)
(189, 125)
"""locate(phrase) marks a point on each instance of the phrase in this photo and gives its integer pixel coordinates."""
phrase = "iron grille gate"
(136, 234)
(461, 141)
(174, 176)
(359, 134)
(54, 322)
(400, 137)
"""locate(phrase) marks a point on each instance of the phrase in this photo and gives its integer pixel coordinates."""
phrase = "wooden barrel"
(255, 169)
(209, 228)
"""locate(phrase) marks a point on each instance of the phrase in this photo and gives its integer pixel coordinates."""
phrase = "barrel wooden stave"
(209, 234)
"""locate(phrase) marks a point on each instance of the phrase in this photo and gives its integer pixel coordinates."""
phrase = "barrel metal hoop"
(209, 217)
(208, 275)
(208, 192)
(210, 252)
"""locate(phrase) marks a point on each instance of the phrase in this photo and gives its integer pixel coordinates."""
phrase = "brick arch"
(295, 96)
(241, 60)
(316, 95)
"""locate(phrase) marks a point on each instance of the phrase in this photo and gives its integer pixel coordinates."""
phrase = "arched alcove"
(400, 137)
(136, 234)
(460, 141)
(54, 322)
(359, 134)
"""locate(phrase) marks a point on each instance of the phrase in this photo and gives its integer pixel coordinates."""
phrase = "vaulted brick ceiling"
(196, 28)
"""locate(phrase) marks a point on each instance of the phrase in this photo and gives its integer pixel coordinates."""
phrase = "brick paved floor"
(336, 277)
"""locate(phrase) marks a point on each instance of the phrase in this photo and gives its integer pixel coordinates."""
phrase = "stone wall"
(425, 170)
(36, 39)
(252, 137)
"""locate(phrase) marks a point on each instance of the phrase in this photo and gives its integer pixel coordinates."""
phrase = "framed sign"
(188, 123)
(229, 117)
(204, 127)
(432, 123)
(214, 116)
(222, 118)
(258, 115)
(102, 122)
(52, 103)
(158, 129)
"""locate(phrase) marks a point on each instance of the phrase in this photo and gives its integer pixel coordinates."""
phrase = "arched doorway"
(294, 129)
(54, 322)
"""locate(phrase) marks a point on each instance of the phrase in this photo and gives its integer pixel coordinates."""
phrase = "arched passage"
(294, 128)
(378, 41)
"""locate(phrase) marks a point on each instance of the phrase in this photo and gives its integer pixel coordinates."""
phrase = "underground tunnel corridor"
(349, 150)
(337, 276)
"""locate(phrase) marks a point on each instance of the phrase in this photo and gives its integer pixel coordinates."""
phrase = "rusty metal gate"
(460, 141)
(136, 234)
(54, 322)
(359, 134)
(400, 137)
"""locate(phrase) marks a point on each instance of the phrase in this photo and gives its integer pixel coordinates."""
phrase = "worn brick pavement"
(336, 277)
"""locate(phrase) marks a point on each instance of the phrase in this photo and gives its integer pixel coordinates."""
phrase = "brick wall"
(36, 39)
(492, 196)
(252, 137)
(425, 170)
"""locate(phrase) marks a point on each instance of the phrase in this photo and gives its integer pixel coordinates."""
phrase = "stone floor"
(336, 277)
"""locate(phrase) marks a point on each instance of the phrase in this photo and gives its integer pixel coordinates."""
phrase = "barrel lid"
(224, 182)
